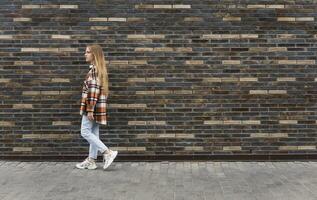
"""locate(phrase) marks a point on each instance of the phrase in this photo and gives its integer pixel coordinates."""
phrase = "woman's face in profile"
(88, 55)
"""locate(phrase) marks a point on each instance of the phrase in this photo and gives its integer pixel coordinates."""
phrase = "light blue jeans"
(90, 131)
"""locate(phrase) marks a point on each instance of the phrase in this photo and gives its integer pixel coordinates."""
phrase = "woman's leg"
(88, 131)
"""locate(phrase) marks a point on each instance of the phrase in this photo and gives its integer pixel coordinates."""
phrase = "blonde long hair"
(101, 69)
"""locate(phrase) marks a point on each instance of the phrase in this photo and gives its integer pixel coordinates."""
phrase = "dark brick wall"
(186, 77)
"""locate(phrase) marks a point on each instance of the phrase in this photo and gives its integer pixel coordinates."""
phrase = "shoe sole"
(85, 168)
(116, 153)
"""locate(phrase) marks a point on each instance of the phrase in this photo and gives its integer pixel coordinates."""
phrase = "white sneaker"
(108, 158)
(86, 164)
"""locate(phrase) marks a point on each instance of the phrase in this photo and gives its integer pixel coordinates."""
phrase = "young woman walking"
(93, 108)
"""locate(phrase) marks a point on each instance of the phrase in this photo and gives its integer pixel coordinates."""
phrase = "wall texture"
(186, 77)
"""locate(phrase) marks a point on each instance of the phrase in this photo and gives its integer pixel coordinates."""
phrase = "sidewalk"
(159, 180)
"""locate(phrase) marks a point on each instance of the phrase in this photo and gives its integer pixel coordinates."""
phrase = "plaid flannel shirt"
(93, 99)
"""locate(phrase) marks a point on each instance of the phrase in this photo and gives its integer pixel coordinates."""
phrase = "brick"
(22, 19)
(136, 79)
(30, 49)
(193, 19)
(181, 6)
(138, 62)
(163, 49)
(286, 19)
(231, 62)
(136, 149)
(288, 148)
(212, 122)
(60, 80)
(117, 19)
(144, 6)
(231, 18)
(275, 6)
(231, 122)
(287, 62)
(306, 147)
(248, 79)
(286, 36)
(119, 62)
(232, 148)
(288, 121)
(155, 79)
(272, 49)
(184, 49)
(115, 105)
(194, 62)
(303, 62)
(31, 93)
(143, 49)
(7, 123)
(165, 136)
(21, 63)
(62, 123)
(6, 37)
(277, 92)
(22, 149)
(140, 105)
(256, 6)
(50, 92)
(284, 79)
(98, 19)
(156, 123)
(22, 106)
(31, 6)
(251, 122)
(304, 19)
(249, 36)
(99, 28)
(212, 80)
(68, 6)
(163, 6)
(135, 19)
(64, 37)
(136, 122)
(194, 148)
(183, 92)
(184, 135)
(229, 79)
(145, 92)
(119, 148)
(49, 6)
(5, 80)
(163, 92)
(258, 91)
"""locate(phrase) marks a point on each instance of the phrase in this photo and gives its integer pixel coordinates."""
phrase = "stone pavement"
(159, 180)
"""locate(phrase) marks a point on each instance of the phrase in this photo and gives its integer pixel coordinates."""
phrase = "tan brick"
(286, 79)
(211, 36)
(98, 19)
(273, 49)
(7, 123)
(31, 6)
(258, 91)
(212, 79)
(6, 37)
(231, 62)
(30, 49)
(115, 105)
(304, 62)
(48, 50)
(163, 91)
(259, 135)
(251, 122)
(20, 149)
(286, 19)
(163, 6)
(288, 121)
(287, 62)
(120, 148)
(286, 36)
(277, 92)
(68, 6)
(306, 147)
(119, 62)
(275, 6)
(155, 79)
(231, 18)
(183, 49)
(181, 6)
(249, 36)
(142, 136)
(184, 135)
(4, 80)
(117, 19)
(136, 36)
(288, 148)
(230, 36)
(136, 79)
(145, 92)
(138, 49)
(50, 92)
(194, 148)
(23, 63)
(141, 105)
(136, 149)
(212, 122)
(136, 122)
(67, 49)
(22, 106)
(275, 135)
(31, 93)
(183, 92)
(231, 148)
(163, 49)
(99, 28)
(231, 122)
(248, 79)
(31, 136)
(193, 19)
(158, 36)
(315, 79)
(156, 123)
(67, 92)
(22, 19)
(305, 19)
(49, 6)
(62, 123)
(137, 62)
(165, 136)
(229, 79)
(256, 6)
(194, 62)
(258, 49)
(64, 37)
(60, 80)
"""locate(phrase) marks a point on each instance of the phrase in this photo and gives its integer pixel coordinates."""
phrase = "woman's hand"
(90, 116)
